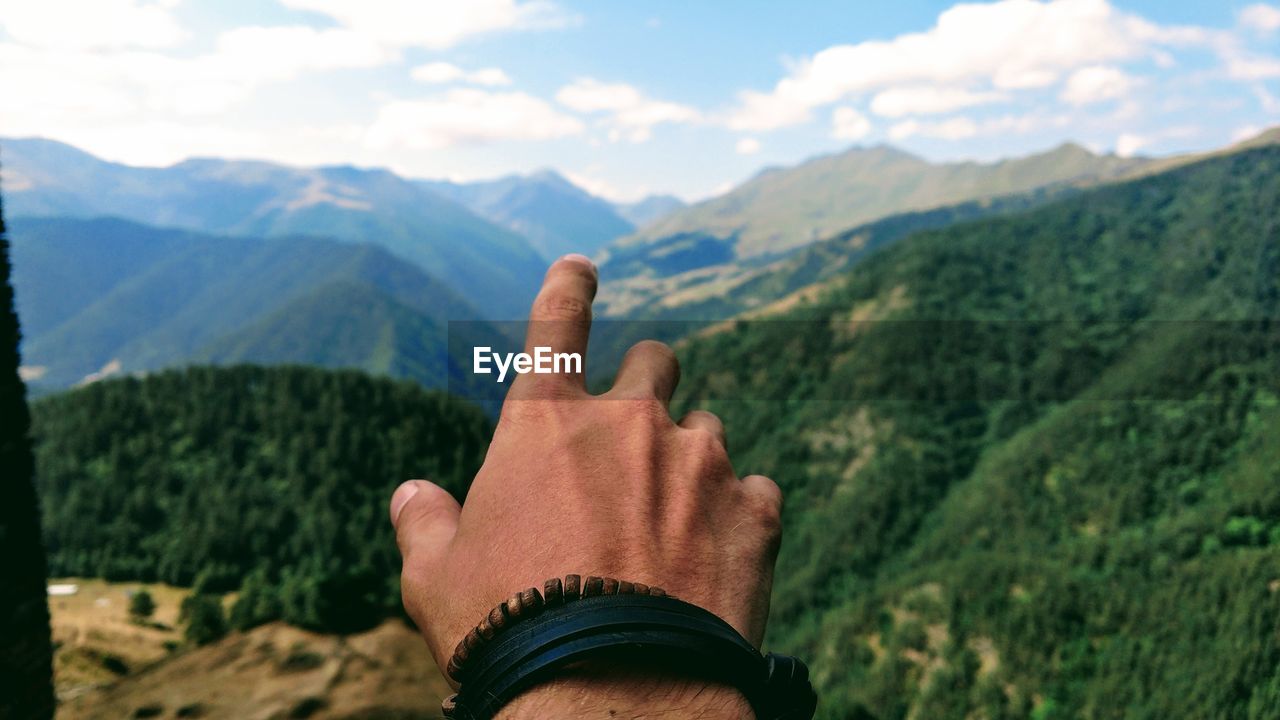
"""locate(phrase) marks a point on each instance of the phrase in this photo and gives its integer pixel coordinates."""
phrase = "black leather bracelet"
(677, 635)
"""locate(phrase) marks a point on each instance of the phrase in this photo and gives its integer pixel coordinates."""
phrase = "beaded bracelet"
(529, 603)
(532, 635)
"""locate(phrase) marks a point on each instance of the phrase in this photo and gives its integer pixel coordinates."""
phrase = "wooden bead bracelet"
(529, 603)
(534, 634)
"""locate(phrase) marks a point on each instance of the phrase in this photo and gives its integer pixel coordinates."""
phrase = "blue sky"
(631, 98)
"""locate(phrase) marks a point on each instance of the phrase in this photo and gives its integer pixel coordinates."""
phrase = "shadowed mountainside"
(104, 292)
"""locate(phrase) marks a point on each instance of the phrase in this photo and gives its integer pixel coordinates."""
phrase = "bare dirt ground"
(107, 666)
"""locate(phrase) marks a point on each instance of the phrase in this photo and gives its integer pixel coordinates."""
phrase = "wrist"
(609, 688)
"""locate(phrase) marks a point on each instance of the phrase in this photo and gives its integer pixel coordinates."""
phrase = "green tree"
(26, 661)
(205, 619)
(141, 606)
(257, 603)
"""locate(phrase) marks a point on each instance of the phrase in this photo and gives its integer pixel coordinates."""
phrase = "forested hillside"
(273, 481)
(1030, 460)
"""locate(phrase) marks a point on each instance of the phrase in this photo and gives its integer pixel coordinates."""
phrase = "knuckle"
(767, 512)
(655, 348)
(705, 445)
(766, 508)
(541, 408)
(562, 306)
(706, 415)
(643, 410)
(517, 412)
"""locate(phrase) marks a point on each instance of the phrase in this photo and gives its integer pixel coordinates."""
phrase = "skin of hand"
(596, 485)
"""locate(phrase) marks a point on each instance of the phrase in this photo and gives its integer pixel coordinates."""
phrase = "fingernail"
(581, 259)
(401, 497)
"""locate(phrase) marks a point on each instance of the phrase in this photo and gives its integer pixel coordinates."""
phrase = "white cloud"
(489, 76)
(590, 181)
(139, 85)
(1241, 67)
(962, 128)
(1023, 124)
(1008, 45)
(435, 24)
(442, 72)
(928, 100)
(437, 72)
(272, 54)
(1261, 17)
(96, 25)
(631, 114)
(1096, 83)
(590, 95)
(1269, 102)
(1128, 144)
(849, 124)
(747, 146)
(1246, 132)
(467, 117)
(957, 128)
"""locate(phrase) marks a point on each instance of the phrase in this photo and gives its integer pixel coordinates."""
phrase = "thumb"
(425, 517)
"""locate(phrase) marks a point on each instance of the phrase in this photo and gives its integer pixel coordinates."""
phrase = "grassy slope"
(107, 666)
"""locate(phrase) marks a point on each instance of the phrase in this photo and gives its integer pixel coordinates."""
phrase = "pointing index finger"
(560, 320)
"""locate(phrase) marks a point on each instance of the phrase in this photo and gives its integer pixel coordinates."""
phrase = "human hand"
(597, 485)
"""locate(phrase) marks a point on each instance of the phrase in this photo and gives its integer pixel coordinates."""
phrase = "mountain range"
(225, 261)
(111, 295)
(495, 269)
(487, 240)
(784, 207)
(703, 249)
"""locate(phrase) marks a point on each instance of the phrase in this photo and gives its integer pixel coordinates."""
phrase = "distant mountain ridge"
(710, 247)
(556, 216)
(783, 208)
(111, 293)
(494, 268)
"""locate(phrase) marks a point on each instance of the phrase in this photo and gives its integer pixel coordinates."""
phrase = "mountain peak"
(1071, 147)
(548, 174)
